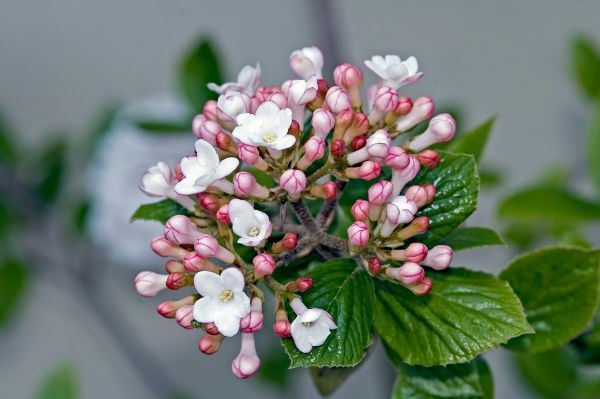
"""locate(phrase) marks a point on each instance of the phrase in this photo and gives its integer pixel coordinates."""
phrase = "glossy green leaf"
(328, 379)
(13, 277)
(345, 290)
(466, 313)
(474, 141)
(59, 384)
(592, 148)
(457, 186)
(199, 67)
(472, 237)
(159, 211)
(585, 61)
(559, 288)
(550, 373)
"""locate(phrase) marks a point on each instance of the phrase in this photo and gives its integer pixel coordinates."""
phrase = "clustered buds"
(255, 162)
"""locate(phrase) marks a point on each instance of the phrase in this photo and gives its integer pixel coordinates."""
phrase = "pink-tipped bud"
(438, 257)
(307, 62)
(430, 188)
(302, 284)
(226, 143)
(287, 243)
(174, 266)
(358, 142)
(422, 288)
(280, 99)
(149, 283)
(264, 265)
(329, 190)
(263, 92)
(165, 248)
(193, 262)
(404, 106)
(184, 316)
(169, 309)
(409, 273)
(377, 147)
(375, 267)
(210, 344)
(232, 104)
(337, 148)
(209, 203)
(380, 192)
(360, 210)
(211, 328)
(282, 328)
(206, 129)
(210, 110)
(177, 281)
(400, 177)
(222, 214)
(248, 153)
(415, 252)
(358, 234)
(368, 170)
(196, 122)
(293, 181)
(418, 194)
(208, 247)
(441, 129)
(322, 121)
(422, 110)
(343, 121)
(337, 99)
(428, 159)
(418, 226)
(245, 185)
(386, 101)
(180, 229)
(253, 321)
(314, 149)
(397, 158)
(400, 211)
(349, 77)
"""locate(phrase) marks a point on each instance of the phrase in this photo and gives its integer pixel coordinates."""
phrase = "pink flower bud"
(263, 92)
(313, 149)
(338, 148)
(247, 362)
(418, 226)
(206, 129)
(225, 142)
(248, 153)
(429, 159)
(210, 110)
(368, 170)
(282, 328)
(293, 181)
(196, 122)
(222, 214)
(303, 284)
(349, 77)
(210, 344)
(380, 192)
(404, 106)
(438, 257)
(176, 281)
(343, 121)
(397, 158)
(174, 266)
(179, 229)
(400, 177)
(409, 273)
(418, 194)
(400, 211)
(322, 121)
(211, 328)
(377, 147)
(149, 283)
(232, 104)
(209, 203)
(386, 101)
(280, 99)
(358, 142)
(193, 262)
(360, 210)
(165, 248)
(430, 192)
(422, 288)
(245, 185)
(422, 110)
(264, 265)
(358, 234)
(329, 190)
(208, 247)
(337, 99)
(168, 309)
(440, 130)
(415, 252)
(253, 321)
(375, 267)
(307, 62)
(289, 241)
(184, 316)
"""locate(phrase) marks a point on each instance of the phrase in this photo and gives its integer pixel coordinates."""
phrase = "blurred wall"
(61, 60)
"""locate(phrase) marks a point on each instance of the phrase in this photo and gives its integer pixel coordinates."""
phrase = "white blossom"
(311, 328)
(248, 81)
(252, 226)
(159, 181)
(267, 128)
(307, 62)
(393, 71)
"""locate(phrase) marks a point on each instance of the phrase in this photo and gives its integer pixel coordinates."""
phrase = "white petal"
(300, 336)
(267, 110)
(240, 209)
(227, 323)
(412, 65)
(318, 334)
(248, 241)
(205, 310)
(241, 304)
(226, 166)
(188, 187)
(310, 315)
(232, 279)
(284, 142)
(205, 151)
(208, 284)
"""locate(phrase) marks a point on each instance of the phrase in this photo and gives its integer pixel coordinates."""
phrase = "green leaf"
(474, 141)
(457, 185)
(588, 345)
(345, 290)
(59, 384)
(549, 203)
(8, 153)
(550, 373)
(592, 147)
(53, 165)
(471, 237)
(160, 211)
(199, 67)
(486, 379)
(328, 379)
(490, 177)
(159, 126)
(586, 66)
(558, 287)
(102, 124)
(13, 277)
(466, 313)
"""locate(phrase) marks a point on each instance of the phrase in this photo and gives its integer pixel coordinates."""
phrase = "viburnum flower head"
(394, 72)
(223, 301)
(267, 128)
(252, 226)
(203, 169)
(247, 82)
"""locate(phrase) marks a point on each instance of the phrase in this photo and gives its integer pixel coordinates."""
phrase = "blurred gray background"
(62, 60)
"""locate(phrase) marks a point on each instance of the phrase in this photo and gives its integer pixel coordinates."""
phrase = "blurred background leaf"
(51, 166)
(13, 278)
(550, 373)
(586, 64)
(593, 146)
(474, 141)
(59, 384)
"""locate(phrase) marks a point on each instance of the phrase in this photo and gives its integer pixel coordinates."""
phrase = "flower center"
(254, 231)
(226, 295)
(269, 138)
(306, 323)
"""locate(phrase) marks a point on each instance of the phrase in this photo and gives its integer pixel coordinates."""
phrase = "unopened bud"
(210, 344)
(264, 265)
(165, 248)
(438, 257)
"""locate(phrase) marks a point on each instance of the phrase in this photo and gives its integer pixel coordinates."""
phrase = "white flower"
(204, 169)
(300, 92)
(248, 81)
(252, 226)
(393, 71)
(307, 62)
(232, 104)
(159, 181)
(311, 328)
(223, 300)
(267, 128)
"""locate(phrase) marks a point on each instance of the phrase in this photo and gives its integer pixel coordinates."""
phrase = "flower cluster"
(309, 137)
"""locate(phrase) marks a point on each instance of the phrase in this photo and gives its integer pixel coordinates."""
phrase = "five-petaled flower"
(311, 327)
(252, 226)
(268, 127)
(394, 72)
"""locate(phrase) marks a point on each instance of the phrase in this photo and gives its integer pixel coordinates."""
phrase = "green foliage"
(52, 164)
(550, 373)
(8, 153)
(588, 345)
(490, 177)
(558, 287)
(200, 66)
(101, 126)
(586, 66)
(345, 291)
(13, 278)
(274, 367)
(159, 211)
(59, 384)
(474, 141)
(328, 379)
(160, 126)
(472, 237)
(593, 148)
(466, 313)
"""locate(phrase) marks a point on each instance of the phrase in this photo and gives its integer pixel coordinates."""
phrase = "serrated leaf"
(550, 373)
(472, 237)
(328, 379)
(159, 211)
(474, 141)
(592, 148)
(466, 313)
(59, 384)
(558, 287)
(549, 203)
(13, 277)
(585, 60)
(199, 67)
(345, 291)
(457, 186)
